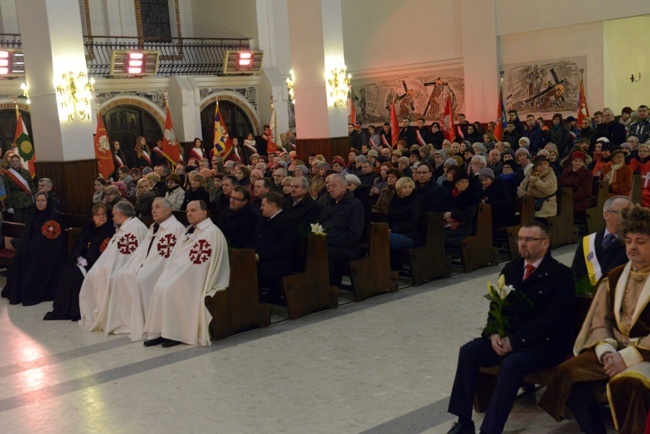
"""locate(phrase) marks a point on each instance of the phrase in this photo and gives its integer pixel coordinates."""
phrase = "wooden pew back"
(525, 206)
(237, 308)
(310, 291)
(429, 261)
(563, 230)
(595, 220)
(372, 275)
(477, 250)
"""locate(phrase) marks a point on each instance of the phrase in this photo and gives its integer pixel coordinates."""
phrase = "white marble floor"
(384, 365)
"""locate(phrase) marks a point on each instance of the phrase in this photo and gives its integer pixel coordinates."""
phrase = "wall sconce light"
(338, 83)
(23, 87)
(290, 81)
(634, 80)
(75, 93)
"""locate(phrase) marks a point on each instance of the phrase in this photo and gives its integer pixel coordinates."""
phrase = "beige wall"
(224, 19)
(626, 53)
(385, 33)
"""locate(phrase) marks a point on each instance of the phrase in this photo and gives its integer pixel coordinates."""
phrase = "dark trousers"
(338, 258)
(514, 367)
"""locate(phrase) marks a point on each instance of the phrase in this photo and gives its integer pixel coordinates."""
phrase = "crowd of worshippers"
(150, 282)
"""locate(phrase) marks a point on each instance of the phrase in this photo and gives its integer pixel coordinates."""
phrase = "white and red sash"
(119, 160)
(146, 157)
(19, 180)
(196, 153)
(384, 141)
(420, 139)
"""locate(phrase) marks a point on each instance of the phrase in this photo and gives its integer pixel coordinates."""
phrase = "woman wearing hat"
(495, 193)
(577, 177)
(618, 175)
(641, 166)
(510, 177)
(541, 184)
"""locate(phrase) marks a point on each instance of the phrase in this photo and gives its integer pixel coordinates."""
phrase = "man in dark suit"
(342, 218)
(275, 242)
(238, 221)
(537, 335)
(602, 251)
(300, 206)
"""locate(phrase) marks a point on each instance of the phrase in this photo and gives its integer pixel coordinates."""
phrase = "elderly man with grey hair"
(99, 283)
(342, 217)
(134, 283)
(602, 251)
(301, 206)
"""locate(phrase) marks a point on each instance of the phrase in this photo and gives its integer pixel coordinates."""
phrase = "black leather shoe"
(457, 428)
(153, 342)
(170, 343)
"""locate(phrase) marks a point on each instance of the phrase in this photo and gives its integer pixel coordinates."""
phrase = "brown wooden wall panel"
(73, 182)
(329, 147)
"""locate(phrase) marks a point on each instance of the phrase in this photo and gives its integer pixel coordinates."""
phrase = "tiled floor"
(384, 365)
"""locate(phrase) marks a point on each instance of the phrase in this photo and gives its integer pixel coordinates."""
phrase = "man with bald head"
(198, 267)
(135, 282)
(99, 283)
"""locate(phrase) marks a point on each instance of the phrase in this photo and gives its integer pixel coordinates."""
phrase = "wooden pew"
(237, 308)
(9, 230)
(310, 291)
(637, 187)
(563, 230)
(72, 237)
(526, 207)
(372, 275)
(181, 216)
(477, 250)
(429, 261)
(595, 220)
(75, 220)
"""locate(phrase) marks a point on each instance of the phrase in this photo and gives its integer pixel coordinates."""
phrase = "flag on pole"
(448, 122)
(170, 149)
(583, 110)
(103, 153)
(501, 122)
(274, 141)
(24, 144)
(222, 142)
(394, 125)
(352, 112)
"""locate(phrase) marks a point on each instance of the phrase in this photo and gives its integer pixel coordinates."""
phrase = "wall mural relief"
(544, 87)
(422, 96)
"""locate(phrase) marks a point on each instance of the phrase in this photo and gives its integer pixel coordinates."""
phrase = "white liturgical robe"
(136, 280)
(199, 267)
(96, 289)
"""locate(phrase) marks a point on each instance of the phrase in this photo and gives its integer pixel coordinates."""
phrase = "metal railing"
(180, 56)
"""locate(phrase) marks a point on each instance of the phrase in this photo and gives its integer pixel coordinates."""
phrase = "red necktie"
(529, 270)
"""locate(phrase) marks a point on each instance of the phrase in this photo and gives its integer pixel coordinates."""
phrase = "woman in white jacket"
(175, 194)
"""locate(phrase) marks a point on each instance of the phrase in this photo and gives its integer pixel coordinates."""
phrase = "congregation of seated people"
(265, 201)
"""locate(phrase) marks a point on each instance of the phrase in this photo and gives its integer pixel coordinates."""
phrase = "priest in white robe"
(136, 280)
(198, 268)
(97, 286)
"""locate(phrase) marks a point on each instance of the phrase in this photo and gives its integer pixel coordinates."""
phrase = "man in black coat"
(300, 206)
(432, 197)
(537, 336)
(342, 218)
(238, 222)
(275, 242)
(604, 250)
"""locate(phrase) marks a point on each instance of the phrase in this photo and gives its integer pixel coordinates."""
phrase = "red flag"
(583, 110)
(170, 149)
(222, 141)
(103, 153)
(271, 145)
(352, 110)
(501, 117)
(394, 125)
(448, 122)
